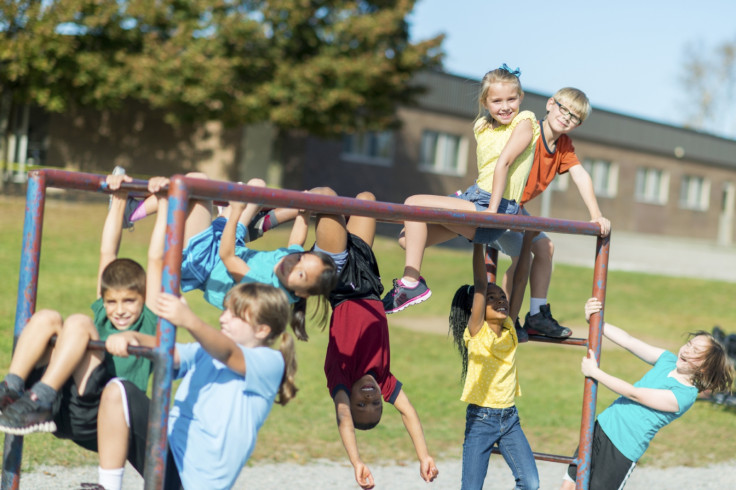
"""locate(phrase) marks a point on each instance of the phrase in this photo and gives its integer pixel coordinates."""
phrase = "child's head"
(256, 314)
(705, 359)
(570, 107)
(501, 95)
(123, 292)
(308, 273)
(497, 305)
(366, 403)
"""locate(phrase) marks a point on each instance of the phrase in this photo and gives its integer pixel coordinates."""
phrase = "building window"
(369, 147)
(604, 175)
(443, 153)
(694, 193)
(652, 185)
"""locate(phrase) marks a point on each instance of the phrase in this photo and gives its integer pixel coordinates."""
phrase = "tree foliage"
(323, 65)
(709, 79)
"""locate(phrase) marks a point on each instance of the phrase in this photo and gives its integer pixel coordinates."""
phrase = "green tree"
(310, 64)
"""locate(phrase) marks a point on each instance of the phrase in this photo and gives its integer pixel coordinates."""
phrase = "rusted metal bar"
(567, 341)
(553, 458)
(99, 345)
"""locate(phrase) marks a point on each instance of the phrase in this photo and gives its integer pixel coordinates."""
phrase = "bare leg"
(567, 485)
(33, 347)
(418, 234)
(362, 226)
(112, 429)
(541, 273)
(70, 356)
(331, 229)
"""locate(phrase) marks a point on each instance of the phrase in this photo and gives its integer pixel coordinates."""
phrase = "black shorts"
(609, 469)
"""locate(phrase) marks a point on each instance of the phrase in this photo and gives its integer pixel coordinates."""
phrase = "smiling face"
(690, 356)
(497, 306)
(366, 402)
(123, 307)
(558, 121)
(299, 272)
(503, 101)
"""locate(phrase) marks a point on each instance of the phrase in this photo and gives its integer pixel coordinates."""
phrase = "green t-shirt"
(133, 368)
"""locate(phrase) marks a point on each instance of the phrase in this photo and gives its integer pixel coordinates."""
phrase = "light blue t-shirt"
(217, 413)
(630, 425)
(261, 263)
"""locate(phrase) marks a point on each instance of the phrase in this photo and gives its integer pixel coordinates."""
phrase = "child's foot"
(521, 332)
(260, 224)
(8, 396)
(543, 324)
(26, 416)
(401, 296)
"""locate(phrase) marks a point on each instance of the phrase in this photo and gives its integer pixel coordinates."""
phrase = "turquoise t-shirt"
(630, 425)
(133, 368)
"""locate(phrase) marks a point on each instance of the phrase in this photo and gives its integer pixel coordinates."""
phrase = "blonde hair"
(263, 304)
(715, 371)
(575, 100)
(499, 75)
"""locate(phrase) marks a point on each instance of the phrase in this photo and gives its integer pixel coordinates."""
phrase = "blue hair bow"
(516, 73)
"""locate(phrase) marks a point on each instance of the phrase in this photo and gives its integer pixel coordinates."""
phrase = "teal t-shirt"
(133, 368)
(630, 425)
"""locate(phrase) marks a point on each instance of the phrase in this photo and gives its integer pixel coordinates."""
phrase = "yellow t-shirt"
(492, 380)
(490, 144)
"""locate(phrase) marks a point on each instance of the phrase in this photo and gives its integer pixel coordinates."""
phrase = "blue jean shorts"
(482, 199)
(510, 242)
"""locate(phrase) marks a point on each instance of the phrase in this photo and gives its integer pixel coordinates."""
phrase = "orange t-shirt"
(547, 165)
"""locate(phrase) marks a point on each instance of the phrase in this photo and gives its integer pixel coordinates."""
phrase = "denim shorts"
(482, 199)
(510, 242)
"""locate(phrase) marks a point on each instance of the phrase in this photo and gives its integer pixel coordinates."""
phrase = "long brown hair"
(715, 371)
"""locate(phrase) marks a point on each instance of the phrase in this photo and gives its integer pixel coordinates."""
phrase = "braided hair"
(460, 309)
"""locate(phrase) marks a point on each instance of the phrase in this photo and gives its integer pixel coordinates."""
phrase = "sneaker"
(543, 324)
(91, 486)
(8, 396)
(26, 416)
(131, 204)
(521, 332)
(401, 296)
(256, 228)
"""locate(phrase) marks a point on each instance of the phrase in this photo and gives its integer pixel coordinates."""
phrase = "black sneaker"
(401, 297)
(543, 324)
(521, 332)
(26, 416)
(8, 396)
(255, 227)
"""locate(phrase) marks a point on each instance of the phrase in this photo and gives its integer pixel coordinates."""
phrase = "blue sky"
(626, 55)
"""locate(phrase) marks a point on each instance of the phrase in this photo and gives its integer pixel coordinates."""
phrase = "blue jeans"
(485, 427)
(481, 199)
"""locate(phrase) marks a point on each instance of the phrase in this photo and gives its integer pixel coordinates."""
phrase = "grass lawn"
(657, 309)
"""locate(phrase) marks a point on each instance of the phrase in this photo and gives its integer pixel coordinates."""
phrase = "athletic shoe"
(401, 297)
(544, 324)
(258, 225)
(26, 416)
(91, 486)
(130, 204)
(521, 332)
(8, 396)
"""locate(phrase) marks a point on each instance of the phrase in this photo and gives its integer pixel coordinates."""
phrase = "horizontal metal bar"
(568, 341)
(99, 345)
(554, 458)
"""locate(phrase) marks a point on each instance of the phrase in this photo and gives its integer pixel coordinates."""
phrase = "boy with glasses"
(554, 154)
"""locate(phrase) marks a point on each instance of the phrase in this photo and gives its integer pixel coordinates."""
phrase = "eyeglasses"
(566, 112)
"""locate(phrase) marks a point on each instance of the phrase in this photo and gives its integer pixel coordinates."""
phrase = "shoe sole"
(414, 301)
(49, 426)
(532, 331)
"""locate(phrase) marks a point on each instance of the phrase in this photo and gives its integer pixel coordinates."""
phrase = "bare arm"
(236, 266)
(646, 352)
(480, 285)
(518, 142)
(521, 275)
(657, 399)
(113, 228)
(347, 434)
(299, 229)
(154, 269)
(427, 468)
(585, 186)
(213, 341)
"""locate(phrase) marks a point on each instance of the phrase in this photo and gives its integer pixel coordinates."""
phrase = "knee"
(79, 324)
(197, 175)
(366, 196)
(47, 319)
(325, 191)
(256, 182)
(111, 394)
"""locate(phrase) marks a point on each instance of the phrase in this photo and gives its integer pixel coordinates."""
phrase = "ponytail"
(288, 388)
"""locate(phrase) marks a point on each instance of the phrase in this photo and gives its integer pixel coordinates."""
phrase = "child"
(357, 362)
(67, 380)
(485, 335)
(215, 258)
(231, 378)
(624, 430)
(505, 140)
(554, 154)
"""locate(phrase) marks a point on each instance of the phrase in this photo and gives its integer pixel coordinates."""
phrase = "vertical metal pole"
(590, 393)
(25, 304)
(491, 264)
(156, 444)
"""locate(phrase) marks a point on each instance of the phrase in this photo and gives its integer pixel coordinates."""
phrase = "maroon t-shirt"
(359, 345)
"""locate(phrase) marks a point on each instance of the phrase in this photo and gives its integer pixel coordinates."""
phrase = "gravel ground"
(327, 475)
